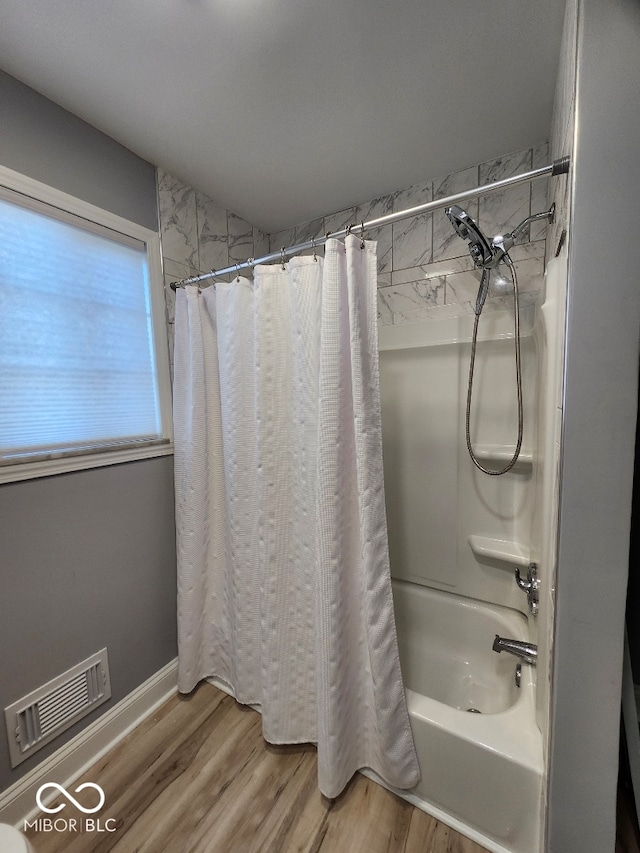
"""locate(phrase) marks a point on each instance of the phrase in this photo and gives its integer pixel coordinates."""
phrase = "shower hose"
(516, 315)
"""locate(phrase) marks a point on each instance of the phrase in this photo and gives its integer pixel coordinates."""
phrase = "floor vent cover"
(36, 719)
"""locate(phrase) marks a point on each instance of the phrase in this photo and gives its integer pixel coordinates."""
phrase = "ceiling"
(283, 110)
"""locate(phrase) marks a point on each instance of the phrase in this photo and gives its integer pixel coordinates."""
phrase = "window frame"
(36, 195)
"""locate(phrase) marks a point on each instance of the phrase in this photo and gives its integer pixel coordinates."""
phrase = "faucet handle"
(531, 586)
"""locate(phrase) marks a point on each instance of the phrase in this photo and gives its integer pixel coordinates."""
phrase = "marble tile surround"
(198, 236)
(424, 269)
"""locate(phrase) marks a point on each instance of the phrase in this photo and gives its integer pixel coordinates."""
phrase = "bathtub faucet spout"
(527, 652)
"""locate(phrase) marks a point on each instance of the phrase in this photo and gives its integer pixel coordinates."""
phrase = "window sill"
(62, 465)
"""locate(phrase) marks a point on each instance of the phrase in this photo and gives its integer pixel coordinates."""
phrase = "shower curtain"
(284, 589)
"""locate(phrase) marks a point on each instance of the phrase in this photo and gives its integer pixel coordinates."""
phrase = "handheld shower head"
(488, 254)
(480, 249)
(484, 254)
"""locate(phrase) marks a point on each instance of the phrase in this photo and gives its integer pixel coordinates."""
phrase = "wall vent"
(36, 719)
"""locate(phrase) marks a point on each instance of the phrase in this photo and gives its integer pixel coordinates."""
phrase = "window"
(84, 377)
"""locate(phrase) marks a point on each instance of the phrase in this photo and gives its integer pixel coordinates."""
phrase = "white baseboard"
(18, 803)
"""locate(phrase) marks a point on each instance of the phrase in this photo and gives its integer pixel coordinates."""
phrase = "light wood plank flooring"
(197, 777)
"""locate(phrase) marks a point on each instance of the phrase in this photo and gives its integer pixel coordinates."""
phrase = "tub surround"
(450, 526)
(454, 542)
(481, 772)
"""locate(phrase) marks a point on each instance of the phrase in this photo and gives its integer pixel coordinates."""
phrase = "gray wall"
(599, 429)
(40, 139)
(87, 559)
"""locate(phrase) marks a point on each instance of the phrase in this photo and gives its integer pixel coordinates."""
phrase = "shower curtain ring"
(283, 258)
(238, 272)
(362, 235)
(313, 246)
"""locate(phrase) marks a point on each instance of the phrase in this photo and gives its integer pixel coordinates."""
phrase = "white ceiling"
(283, 110)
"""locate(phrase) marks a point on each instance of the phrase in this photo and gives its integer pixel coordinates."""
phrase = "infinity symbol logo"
(69, 797)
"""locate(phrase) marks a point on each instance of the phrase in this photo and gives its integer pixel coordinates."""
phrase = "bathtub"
(481, 772)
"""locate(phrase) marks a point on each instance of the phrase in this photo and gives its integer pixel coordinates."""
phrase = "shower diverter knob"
(530, 586)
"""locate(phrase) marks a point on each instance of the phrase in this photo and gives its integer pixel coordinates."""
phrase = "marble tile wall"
(424, 269)
(197, 236)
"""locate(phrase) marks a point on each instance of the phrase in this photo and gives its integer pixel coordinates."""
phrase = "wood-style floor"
(197, 777)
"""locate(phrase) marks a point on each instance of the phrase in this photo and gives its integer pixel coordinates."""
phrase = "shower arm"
(549, 215)
(501, 244)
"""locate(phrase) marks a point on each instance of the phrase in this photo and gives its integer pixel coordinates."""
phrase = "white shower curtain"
(284, 590)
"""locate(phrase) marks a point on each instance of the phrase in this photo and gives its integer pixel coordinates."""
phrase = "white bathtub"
(481, 772)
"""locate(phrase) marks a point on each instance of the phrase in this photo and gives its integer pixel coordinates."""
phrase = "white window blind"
(77, 346)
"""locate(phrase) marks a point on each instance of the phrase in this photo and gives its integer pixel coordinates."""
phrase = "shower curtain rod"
(558, 167)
